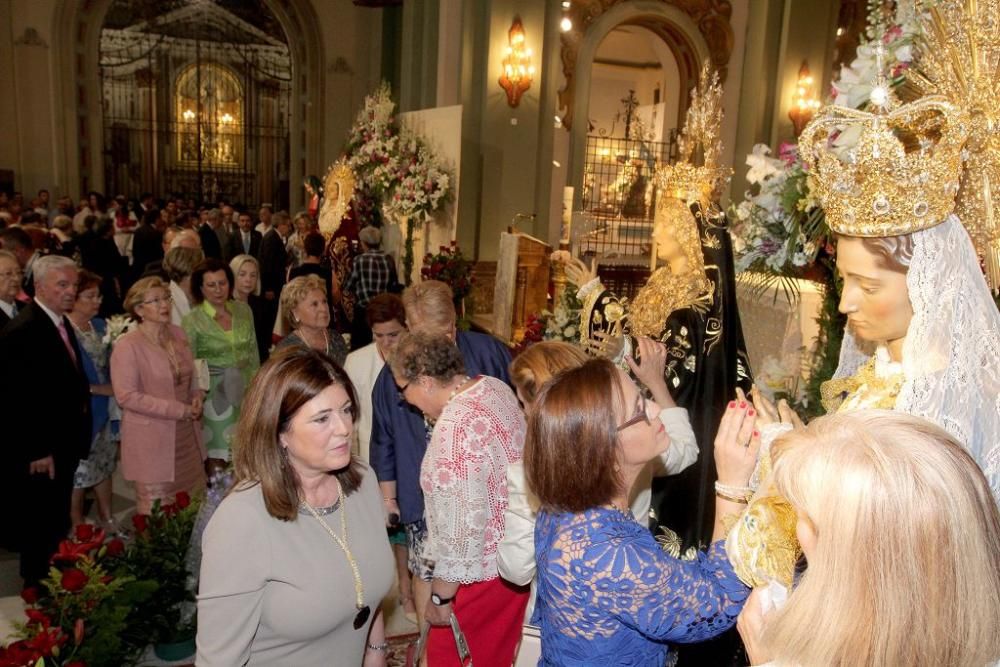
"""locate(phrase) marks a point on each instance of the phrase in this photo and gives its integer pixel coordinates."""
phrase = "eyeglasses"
(640, 416)
(12, 274)
(158, 300)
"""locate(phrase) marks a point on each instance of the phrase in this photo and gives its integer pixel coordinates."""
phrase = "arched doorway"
(677, 36)
(196, 102)
(85, 149)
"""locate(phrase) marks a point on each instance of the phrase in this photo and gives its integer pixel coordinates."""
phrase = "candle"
(567, 212)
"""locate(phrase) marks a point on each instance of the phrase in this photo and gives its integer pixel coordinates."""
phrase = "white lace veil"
(951, 355)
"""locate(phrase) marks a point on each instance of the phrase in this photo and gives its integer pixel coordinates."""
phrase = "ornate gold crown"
(901, 176)
(685, 179)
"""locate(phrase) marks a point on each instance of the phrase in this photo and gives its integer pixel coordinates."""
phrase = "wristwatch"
(440, 601)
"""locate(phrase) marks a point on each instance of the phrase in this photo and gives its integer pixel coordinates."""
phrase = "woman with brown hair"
(152, 372)
(94, 472)
(295, 560)
(478, 433)
(607, 592)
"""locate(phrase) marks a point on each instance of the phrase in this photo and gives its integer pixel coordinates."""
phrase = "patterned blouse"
(464, 479)
(609, 595)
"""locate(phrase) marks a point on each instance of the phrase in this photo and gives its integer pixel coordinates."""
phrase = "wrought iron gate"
(196, 100)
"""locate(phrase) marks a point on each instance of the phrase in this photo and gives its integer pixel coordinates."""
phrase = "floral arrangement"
(395, 168)
(450, 266)
(423, 184)
(118, 326)
(84, 614)
(159, 553)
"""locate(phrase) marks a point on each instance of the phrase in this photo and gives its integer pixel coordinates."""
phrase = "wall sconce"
(188, 115)
(517, 68)
(805, 103)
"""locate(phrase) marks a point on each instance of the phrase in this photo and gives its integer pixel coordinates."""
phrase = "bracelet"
(736, 494)
(387, 498)
(381, 648)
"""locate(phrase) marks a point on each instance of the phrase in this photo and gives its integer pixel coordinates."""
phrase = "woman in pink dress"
(152, 371)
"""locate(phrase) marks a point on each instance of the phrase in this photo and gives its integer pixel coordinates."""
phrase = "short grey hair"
(214, 214)
(62, 222)
(43, 266)
(371, 236)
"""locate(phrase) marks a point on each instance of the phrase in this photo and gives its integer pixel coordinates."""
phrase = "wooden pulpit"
(522, 283)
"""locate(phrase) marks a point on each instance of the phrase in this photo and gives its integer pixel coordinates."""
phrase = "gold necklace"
(168, 348)
(359, 598)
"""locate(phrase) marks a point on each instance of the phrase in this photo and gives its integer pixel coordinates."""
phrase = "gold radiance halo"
(338, 189)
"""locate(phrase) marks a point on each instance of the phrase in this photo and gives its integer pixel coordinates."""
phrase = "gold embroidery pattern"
(879, 392)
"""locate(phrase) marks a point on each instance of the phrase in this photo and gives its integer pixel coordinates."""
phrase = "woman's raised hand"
(737, 444)
(649, 370)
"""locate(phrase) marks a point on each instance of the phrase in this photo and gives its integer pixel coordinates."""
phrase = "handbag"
(529, 651)
(202, 373)
(464, 657)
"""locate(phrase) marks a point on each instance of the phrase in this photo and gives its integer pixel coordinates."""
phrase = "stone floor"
(123, 506)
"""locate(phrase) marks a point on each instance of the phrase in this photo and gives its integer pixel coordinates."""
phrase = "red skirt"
(490, 614)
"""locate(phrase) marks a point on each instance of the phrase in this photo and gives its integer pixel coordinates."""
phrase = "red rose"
(140, 522)
(170, 510)
(84, 532)
(183, 499)
(30, 595)
(73, 580)
(116, 547)
(35, 616)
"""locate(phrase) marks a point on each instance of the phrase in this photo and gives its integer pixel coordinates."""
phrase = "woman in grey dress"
(296, 560)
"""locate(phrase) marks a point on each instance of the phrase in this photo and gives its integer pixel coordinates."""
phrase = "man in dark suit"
(209, 239)
(46, 413)
(246, 240)
(274, 257)
(147, 242)
(10, 286)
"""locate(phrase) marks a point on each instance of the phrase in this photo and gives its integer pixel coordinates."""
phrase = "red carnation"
(140, 522)
(183, 499)
(84, 532)
(73, 580)
(116, 547)
(30, 595)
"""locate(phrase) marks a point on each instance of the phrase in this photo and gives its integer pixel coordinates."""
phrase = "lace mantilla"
(464, 479)
(607, 594)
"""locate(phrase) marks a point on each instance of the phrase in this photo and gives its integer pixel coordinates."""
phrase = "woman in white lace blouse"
(478, 431)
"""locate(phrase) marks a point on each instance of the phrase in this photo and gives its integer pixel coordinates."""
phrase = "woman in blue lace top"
(607, 593)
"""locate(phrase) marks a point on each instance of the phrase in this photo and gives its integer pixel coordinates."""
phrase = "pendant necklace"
(359, 598)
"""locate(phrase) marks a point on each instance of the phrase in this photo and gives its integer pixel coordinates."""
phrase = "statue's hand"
(604, 345)
(579, 273)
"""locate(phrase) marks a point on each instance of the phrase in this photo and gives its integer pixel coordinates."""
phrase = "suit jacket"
(210, 242)
(273, 262)
(144, 388)
(45, 402)
(147, 247)
(223, 234)
(3, 319)
(236, 244)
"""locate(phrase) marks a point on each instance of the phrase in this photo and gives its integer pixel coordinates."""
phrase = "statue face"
(667, 247)
(875, 299)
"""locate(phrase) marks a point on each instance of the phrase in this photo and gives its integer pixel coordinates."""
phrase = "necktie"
(246, 243)
(65, 336)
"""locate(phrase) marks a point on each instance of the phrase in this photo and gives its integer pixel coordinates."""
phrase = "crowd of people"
(502, 491)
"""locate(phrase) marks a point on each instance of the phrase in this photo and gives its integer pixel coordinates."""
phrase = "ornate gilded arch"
(710, 16)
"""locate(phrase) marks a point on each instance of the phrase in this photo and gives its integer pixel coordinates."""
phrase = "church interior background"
(243, 99)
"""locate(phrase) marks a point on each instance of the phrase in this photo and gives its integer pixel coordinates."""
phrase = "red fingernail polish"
(732, 404)
(743, 404)
(750, 412)
(756, 433)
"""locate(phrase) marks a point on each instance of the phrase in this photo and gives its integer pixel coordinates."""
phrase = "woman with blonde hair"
(902, 536)
(152, 374)
(305, 309)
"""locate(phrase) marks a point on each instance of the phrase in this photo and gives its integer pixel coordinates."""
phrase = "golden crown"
(901, 176)
(685, 179)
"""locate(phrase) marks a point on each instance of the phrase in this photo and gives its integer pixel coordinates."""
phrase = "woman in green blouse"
(221, 333)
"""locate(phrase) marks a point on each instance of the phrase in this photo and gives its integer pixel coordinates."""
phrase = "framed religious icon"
(338, 188)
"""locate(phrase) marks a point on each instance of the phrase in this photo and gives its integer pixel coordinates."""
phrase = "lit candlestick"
(567, 212)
